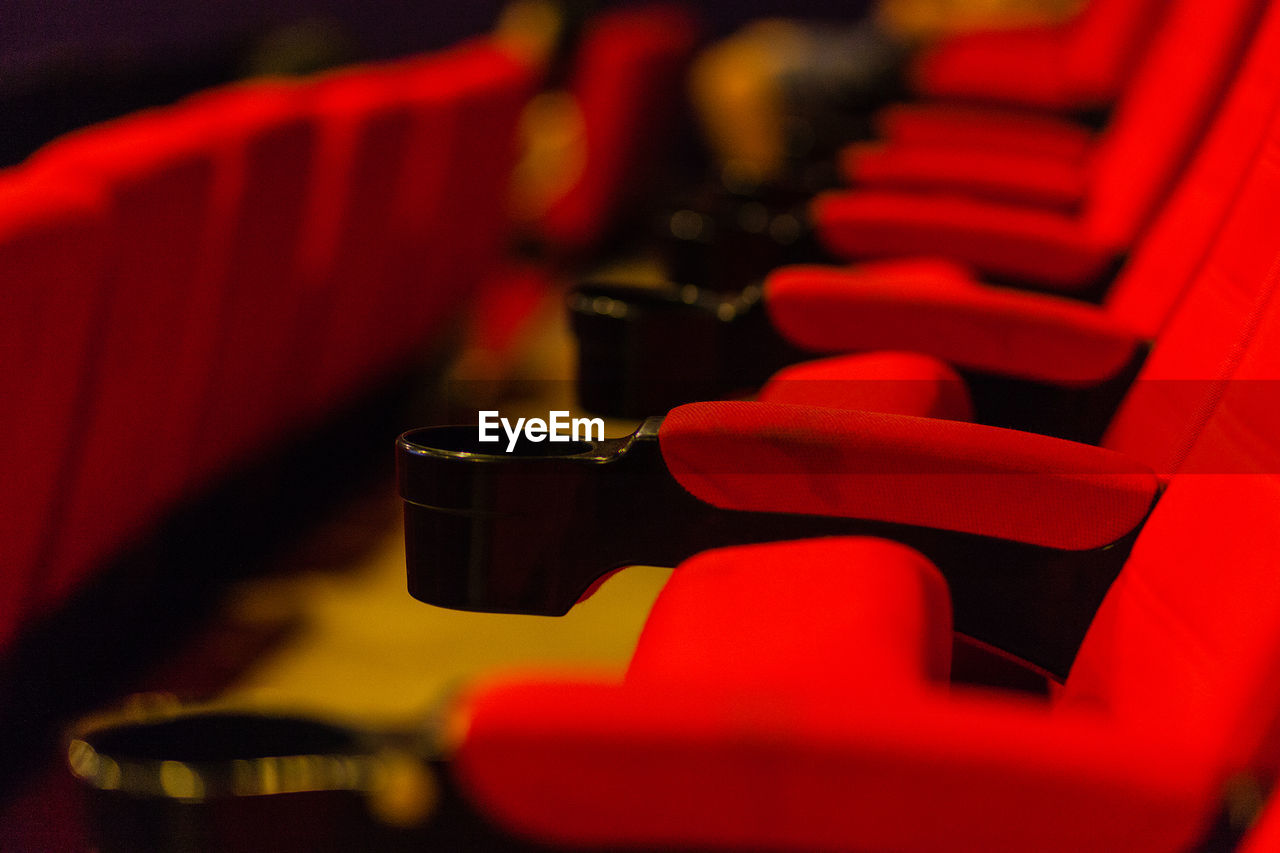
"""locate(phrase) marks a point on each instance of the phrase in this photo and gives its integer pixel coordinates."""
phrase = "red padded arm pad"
(782, 613)
(1010, 332)
(1052, 250)
(1039, 180)
(989, 129)
(949, 475)
(701, 766)
(1024, 67)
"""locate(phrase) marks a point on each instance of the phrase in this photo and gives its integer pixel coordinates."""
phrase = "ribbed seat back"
(158, 175)
(627, 84)
(1189, 635)
(1164, 112)
(1105, 43)
(51, 242)
(1196, 353)
(271, 154)
(1169, 255)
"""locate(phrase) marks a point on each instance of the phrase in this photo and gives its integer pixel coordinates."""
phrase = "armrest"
(1022, 67)
(1051, 250)
(947, 475)
(762, 614)
(1013, 333)
(990, 129)
(1037, 180)
(702, 766)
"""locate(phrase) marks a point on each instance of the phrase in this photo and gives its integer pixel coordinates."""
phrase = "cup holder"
(198, 756)
(463, 442)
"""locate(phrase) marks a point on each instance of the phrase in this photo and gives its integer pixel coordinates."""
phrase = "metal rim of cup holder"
(143, 754)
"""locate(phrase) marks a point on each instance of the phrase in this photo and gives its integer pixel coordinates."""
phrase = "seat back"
(1164, 113)
(1105, 43)
(408, 209)
(1167, 258)
(269, 150)
(627, 82)
(366, 133)
(158, 174)
(445, 257)
(1188, 638)
(1196, 353)
(51, 241)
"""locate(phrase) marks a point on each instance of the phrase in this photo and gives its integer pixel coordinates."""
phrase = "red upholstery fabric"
(942, 474)
(439, 207)
(51, 243)
(1170, 253)
(376, 285)
(739, 618)
(1080, 65)
(1156, 127)
(1036, 180)
(475, 224)
(696, 765)
(1162, 116)
(1019, 67)
(365, 138)
(992, 130)
(158, 172)
(971, 325)
(900, 383)
(273, 160)
(627, 82)
(1194, 621)
(1107, 42)
(1172, 695)
(198, 354)
(807, 305)
(1050, 249)
(1218, 316)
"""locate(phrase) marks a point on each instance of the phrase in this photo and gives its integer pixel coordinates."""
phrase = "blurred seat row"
(187, 286)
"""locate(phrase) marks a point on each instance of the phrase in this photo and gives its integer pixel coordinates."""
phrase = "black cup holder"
(213, 755)
(200, 781)
(464, 441)
(643, 349)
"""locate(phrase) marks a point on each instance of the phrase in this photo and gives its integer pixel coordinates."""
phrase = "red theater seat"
(1082, 64)
(844, 738)
(1039, 337)
(627, 82)
(51, 242)
(1051, 222)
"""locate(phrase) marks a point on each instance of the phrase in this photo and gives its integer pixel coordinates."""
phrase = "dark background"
(66, 63)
